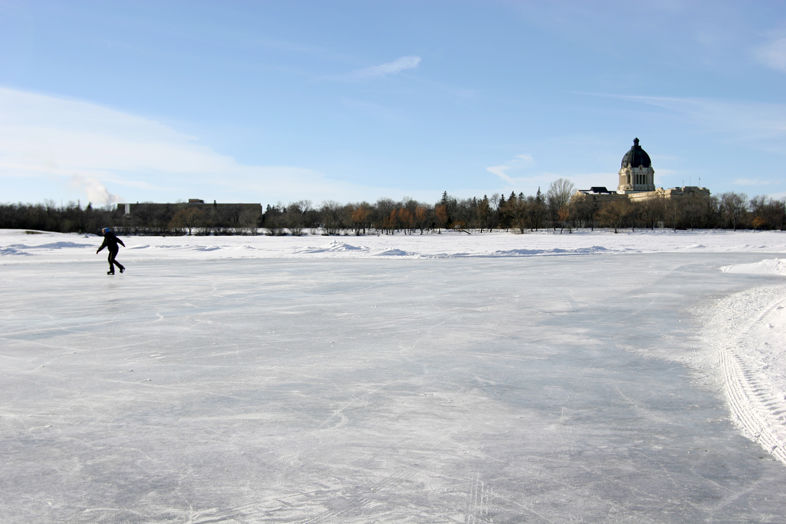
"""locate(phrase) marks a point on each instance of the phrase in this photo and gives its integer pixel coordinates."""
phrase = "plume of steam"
(96, 192)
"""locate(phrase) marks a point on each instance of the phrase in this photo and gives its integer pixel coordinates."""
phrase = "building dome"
(636, 157)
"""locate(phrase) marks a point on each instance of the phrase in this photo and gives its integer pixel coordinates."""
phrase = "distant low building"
(193, 203)
(637, 182)
(185, 216)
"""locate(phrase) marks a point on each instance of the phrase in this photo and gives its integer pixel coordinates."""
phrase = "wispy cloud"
(108, 155)
(372, 109)
(761, 124)
(387, 69)
(773, 54)
(751, 182)
(518, 174)
(516, 165)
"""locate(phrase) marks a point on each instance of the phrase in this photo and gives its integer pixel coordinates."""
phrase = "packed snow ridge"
(57, 246)
(747, 329)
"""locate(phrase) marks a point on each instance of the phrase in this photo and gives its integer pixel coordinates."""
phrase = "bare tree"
(733, 207)
(583, 209)
(188, 218)
(361, 217)
(615, 213)
(558, 197)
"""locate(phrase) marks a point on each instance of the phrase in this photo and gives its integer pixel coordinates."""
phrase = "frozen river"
(538, 389)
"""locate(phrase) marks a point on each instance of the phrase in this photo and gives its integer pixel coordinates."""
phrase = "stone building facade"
(636, 182)
(636, 173)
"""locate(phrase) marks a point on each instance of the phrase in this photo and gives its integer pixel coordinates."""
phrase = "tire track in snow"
(758, 408)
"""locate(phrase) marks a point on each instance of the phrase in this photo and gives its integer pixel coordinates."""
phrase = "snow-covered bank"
(18, 247)
(747, 332)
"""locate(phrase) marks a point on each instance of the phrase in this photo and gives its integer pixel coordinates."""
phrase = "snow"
(445, 245)
(438, 378)
(772, 266)
(748, 330)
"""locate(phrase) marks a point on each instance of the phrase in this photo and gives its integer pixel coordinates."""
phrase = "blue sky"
(278, 101)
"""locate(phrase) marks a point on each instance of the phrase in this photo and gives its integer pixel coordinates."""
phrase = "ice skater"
(110, 242)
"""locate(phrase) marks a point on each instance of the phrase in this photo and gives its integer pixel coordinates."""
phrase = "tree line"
(515, 212)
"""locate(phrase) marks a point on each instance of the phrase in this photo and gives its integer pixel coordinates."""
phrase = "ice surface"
(505, 378)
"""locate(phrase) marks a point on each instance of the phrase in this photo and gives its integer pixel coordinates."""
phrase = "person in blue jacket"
(110, 242)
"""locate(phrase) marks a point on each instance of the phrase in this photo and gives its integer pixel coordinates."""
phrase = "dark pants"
(113, 262)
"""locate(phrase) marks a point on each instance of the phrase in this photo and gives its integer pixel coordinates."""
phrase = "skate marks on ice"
(367, 500)
(479, 497)
(386, 500)
(322, 502)
(746, 331)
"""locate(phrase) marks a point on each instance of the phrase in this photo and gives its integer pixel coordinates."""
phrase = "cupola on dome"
(636, 157)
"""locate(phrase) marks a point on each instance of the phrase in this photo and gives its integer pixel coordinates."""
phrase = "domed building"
(637, 181)
(636, 173)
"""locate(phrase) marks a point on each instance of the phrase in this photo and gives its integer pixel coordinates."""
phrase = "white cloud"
(92, 148)
(773, 54)
(389, 68)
